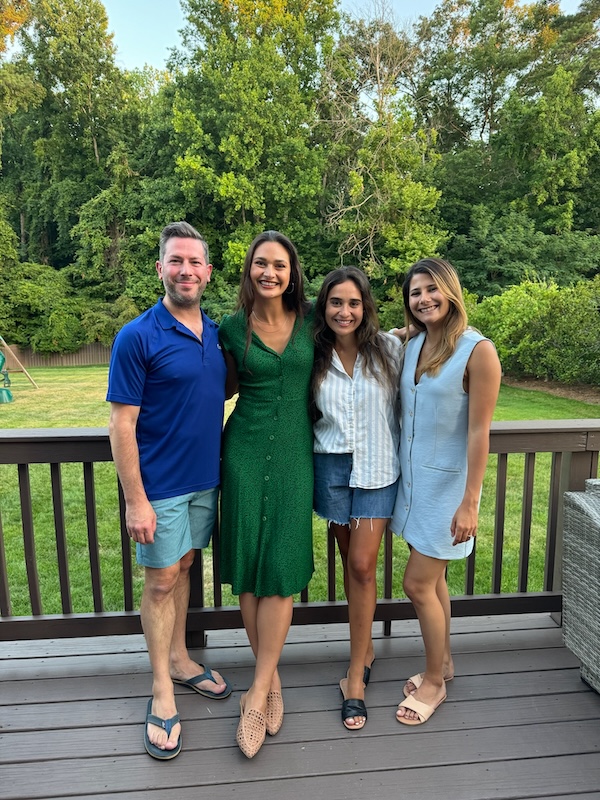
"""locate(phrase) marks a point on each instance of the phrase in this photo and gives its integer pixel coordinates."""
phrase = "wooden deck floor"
(518, 722)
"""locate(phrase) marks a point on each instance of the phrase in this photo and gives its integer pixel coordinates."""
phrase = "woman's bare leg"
(365, 540)
(421, 584)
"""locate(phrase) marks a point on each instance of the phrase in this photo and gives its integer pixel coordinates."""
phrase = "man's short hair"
(181, 230)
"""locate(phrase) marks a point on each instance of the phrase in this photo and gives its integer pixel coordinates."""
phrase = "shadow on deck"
(518, 721)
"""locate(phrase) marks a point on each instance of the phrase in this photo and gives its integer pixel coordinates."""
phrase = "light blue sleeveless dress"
(433, 451)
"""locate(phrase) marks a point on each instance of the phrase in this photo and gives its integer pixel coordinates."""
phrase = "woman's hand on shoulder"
(404, 333)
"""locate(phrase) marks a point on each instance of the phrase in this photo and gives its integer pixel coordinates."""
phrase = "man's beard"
(181, 300)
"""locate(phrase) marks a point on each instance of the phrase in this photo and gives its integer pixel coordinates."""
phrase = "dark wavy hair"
(445, 277)
(372, 344)
(294, 300)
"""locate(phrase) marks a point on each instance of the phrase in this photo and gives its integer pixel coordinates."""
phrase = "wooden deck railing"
(573, 446)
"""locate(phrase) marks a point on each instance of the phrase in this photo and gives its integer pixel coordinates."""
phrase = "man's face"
(184, 271)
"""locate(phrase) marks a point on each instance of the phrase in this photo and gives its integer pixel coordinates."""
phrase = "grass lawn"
(74, 397)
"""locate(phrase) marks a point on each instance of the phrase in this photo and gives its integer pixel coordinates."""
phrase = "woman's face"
(344, 309)
(270, 270)
(426, 302)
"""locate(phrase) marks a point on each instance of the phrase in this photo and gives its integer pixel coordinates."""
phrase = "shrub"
(544, 331)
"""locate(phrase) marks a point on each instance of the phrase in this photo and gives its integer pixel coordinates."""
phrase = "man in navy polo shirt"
(166, 386)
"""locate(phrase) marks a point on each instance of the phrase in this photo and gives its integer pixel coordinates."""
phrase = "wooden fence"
(88, 356)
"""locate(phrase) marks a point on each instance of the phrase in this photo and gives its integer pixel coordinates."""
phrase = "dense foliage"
(473, 135)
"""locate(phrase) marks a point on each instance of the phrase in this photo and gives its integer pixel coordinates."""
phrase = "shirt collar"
(167, 320)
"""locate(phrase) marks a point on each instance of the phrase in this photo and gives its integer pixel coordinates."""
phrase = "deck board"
(518, 723)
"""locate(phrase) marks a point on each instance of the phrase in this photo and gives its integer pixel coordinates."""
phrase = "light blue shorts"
(336, 501)
(183, 523)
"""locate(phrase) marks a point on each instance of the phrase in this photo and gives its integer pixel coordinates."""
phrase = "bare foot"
(427, 693)
(158, 736)
(410, 687)
(351, 692)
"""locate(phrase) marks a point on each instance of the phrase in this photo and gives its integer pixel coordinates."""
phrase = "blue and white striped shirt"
(361, 416)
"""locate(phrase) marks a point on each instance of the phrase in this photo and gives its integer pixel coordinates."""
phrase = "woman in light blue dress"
(449, 387)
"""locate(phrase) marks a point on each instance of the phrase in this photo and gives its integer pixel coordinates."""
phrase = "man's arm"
(140, 518)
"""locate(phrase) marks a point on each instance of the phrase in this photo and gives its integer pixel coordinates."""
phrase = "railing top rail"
(53, 445)
(14, 435)
(546, 426)
(508, 427)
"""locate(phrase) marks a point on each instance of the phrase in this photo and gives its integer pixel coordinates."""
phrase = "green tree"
(56, 157)
(544, 148)
(244, 119)
(383, 209)
(17, 87)
(506, 248)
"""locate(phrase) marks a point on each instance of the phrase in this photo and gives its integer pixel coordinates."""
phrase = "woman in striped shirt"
(355, 398)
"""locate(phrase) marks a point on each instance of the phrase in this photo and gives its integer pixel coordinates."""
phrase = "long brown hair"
(446, 279)
(372, 344)
(294, 298)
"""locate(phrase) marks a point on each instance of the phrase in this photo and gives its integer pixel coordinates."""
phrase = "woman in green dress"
(267, 472)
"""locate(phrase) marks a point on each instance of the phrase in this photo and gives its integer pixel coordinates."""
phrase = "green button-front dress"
(267, 470)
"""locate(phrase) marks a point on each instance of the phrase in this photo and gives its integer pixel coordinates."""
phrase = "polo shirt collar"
(167, 320)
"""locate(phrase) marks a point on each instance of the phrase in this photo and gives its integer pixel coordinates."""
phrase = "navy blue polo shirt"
(178, 383)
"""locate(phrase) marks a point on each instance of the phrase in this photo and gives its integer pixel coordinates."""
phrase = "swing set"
(5, 393)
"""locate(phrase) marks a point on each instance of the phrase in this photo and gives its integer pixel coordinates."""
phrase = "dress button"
(271, 437)
(264, 519)
(268, 458)
(266, 477)
(279, 398)
(275, 419)
(265, 498)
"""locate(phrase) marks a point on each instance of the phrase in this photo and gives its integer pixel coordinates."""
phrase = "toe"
(403, 712)
(354, 722)
(218, 686)
(157, 736)
(173, 738)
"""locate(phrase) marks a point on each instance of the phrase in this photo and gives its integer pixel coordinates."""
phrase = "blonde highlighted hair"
(445, 277)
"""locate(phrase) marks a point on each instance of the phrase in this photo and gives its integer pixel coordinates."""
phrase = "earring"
(290, 288)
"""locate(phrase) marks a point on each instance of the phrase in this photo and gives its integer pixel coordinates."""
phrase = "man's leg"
(158, 616)
(182, 666)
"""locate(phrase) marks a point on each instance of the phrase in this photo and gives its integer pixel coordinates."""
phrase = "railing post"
(195, 638)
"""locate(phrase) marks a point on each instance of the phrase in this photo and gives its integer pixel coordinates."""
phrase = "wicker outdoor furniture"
(581, 579)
